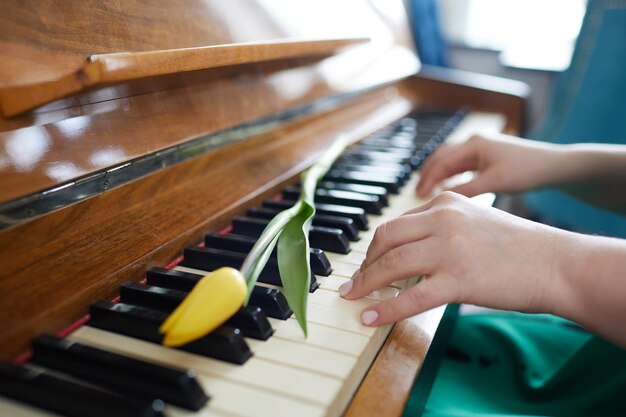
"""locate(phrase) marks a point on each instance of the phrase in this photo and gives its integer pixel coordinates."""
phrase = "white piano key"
(334, 300)
(354, 258)
(262, 374)
(12, 408)
(365, 360)
(340, 319)
(319, 335)
(332, 283)
(360, 246)
(231, 399)
(343, 269)
(310, 358)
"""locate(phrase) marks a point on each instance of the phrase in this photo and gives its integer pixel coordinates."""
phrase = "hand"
(465, 253)
(502, 164)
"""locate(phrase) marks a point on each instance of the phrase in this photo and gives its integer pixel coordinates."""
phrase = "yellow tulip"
(214, 299)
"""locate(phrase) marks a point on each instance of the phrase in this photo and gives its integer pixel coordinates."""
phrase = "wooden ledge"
(107, 69)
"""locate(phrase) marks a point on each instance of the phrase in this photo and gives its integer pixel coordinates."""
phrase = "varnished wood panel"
(388, 384)
(443, 88)
(46, 39)
(115, 68)
(54, 267)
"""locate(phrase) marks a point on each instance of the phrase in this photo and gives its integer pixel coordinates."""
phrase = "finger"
(421, 208)
(435, 159)
(458, 160)
(404, 262)
(443, 198)
(427, 294)
(397, 232)
(440, 153)
(479, 185)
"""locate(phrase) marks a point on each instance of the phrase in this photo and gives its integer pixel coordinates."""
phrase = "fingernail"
(368, 317)
(345, 288)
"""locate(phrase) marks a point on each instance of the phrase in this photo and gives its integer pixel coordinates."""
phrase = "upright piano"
(144, 142)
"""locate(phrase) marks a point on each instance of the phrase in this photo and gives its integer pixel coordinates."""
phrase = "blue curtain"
(429, 42)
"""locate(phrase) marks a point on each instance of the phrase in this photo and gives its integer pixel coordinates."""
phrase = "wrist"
(570, 260)
(584, 284)
(557, 164)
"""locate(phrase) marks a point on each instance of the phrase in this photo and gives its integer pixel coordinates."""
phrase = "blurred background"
(526, 40)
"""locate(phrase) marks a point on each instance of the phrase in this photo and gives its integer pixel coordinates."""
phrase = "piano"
(144, 142)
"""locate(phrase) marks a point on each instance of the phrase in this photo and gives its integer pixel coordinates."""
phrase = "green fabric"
(511, 364)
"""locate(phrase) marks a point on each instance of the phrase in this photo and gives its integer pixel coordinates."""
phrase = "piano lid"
(102, 129)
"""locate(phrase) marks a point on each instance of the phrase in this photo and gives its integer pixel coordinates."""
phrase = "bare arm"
(483, 256)
(595, 173)
(592, 172)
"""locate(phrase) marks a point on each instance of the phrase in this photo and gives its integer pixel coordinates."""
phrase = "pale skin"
(484, 256)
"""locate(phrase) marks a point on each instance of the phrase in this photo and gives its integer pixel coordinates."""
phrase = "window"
(497, 24)
(531, 34)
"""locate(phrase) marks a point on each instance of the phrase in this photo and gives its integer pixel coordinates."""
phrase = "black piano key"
(370, 203)
(355, 213)
(396, 141)
(345, 224)
(399, 173)
(224, 343)
(118, 373)
(320, 265)
(270, 300)
(380, 192)
(398, 153)
(50, 392)
(209, 259)
(374, 156)
(172, 278)
(402, 155)
(392, 184)
(230, 241)
(407, 121)
(406, 151)
(250, 320)
(325, 238)
(150, 296)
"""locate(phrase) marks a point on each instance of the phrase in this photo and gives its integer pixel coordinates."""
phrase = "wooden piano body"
(113, 165)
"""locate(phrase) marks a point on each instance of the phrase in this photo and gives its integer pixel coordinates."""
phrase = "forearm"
(594, 173)
(591, 289)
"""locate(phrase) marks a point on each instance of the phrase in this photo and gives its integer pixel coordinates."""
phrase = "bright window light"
(497, 24)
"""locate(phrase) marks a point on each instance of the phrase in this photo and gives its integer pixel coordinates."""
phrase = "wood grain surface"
(109, 69)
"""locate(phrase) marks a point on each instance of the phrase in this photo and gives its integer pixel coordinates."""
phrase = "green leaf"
(257, 267)
(290, 230)
(293, 262)
(262, 249)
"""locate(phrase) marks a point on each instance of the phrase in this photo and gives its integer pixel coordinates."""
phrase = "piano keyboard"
(258, 363)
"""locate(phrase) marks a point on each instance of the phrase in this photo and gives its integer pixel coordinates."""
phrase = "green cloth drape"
(512, 364)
